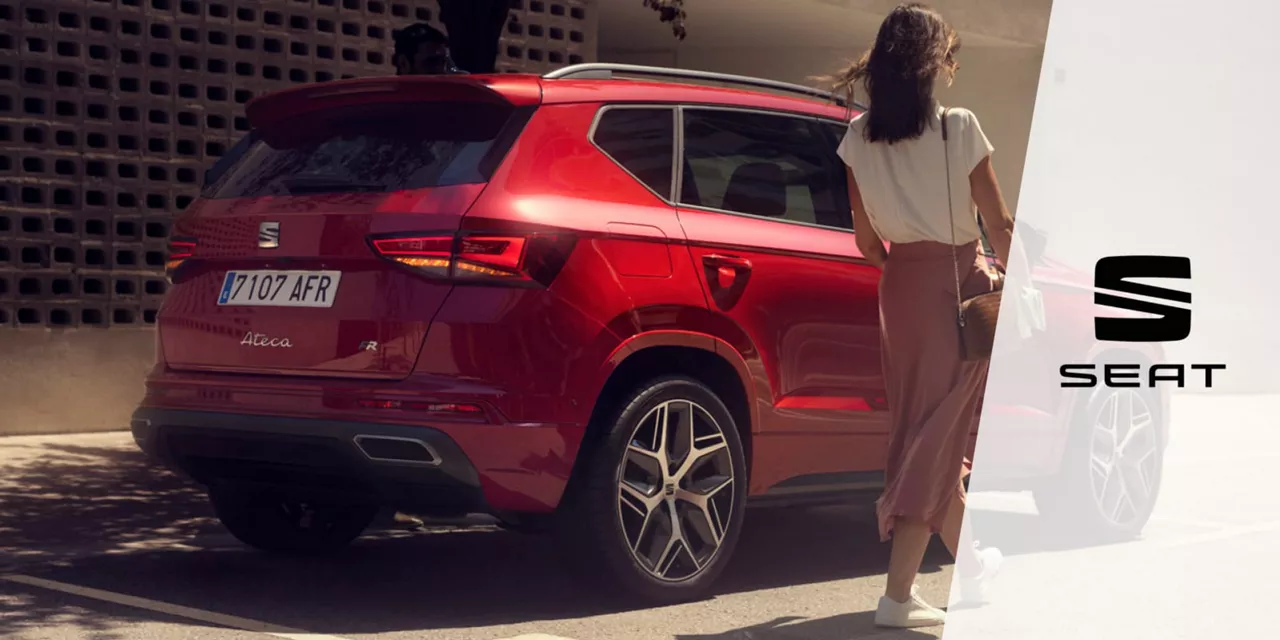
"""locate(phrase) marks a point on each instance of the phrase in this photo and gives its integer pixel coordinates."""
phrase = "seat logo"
(269, 235)
(1164, 323)
(1114, 274)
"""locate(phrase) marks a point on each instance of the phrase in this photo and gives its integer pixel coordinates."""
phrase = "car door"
(765, 209)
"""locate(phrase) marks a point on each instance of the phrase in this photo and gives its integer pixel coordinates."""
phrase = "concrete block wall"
(110, 110)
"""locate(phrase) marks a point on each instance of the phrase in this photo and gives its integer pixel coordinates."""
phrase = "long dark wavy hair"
(914, 48)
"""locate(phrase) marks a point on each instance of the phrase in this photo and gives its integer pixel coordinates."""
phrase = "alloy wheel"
(675, 495)
(1124, 465)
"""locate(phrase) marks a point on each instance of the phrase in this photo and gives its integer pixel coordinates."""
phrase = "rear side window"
(366, 148)
(642, 141)
(761, 164)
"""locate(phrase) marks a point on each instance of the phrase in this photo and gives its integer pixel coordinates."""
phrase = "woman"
(898, 165)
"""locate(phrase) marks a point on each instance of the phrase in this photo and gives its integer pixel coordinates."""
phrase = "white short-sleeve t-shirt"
(904, 185)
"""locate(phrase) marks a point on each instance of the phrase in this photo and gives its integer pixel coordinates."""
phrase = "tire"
(600, 523)
(280, 524)
(1086, 498)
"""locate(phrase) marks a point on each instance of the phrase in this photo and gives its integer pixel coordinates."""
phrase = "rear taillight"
(532, 259)
(180, 250)
(430, 255)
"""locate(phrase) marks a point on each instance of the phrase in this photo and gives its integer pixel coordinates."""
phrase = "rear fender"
(684, 339)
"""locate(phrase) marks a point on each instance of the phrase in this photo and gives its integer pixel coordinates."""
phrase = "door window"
(766, 165)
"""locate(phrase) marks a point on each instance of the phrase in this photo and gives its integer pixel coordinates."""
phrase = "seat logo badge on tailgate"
(252, 339)
(269, 235)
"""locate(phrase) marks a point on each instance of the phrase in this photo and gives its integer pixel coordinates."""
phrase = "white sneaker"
(974, 590)
(913, 613)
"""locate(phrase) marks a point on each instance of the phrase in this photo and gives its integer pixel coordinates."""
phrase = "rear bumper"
(413, 468)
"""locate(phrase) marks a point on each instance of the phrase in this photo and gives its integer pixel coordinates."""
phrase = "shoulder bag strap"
(955, 256)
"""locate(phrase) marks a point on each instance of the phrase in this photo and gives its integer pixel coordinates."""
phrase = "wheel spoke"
(641, 502)
(680, 435)
(1122, 498)
(708, 513)
(1139, 460)
(1100, 466)
(708, 488)
(1144, 485)
(641, 457)
(1103, 469)
(660, 436)
(1138, 425)
(1138, 477)
(662, 565)
(645, 525)
(700, 449)
(717, 524)
(668, 557)
(1141, 419)
(708, 445)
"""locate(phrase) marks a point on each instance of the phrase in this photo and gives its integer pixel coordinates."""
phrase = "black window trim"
(226, 161)
(834, 139)
(669, 198)
(505, 141)
(679, 185)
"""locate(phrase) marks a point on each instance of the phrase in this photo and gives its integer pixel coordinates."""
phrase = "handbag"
(975, 316)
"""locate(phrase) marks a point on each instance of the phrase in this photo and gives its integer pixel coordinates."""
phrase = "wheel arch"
(702, 357)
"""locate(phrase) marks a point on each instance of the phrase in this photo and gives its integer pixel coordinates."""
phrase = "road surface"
(95, 544)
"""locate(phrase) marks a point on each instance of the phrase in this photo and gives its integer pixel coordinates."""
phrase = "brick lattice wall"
(110, 110)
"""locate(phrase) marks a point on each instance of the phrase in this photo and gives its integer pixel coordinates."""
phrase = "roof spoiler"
(271, 108)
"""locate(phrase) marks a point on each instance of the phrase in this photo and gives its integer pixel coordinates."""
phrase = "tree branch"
(670, 11)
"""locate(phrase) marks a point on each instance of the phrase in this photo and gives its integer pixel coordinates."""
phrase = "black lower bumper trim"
(307, 457)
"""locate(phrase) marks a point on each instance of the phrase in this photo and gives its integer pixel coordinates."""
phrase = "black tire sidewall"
(591, 533)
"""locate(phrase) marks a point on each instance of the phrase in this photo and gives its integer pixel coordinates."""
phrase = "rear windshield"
(365, 148)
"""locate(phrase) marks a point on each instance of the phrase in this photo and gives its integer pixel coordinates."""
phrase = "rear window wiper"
(320, 183)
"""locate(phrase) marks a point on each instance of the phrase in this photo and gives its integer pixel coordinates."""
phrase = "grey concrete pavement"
(86, 513)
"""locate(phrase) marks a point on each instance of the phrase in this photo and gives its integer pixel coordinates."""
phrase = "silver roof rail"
(606, 71)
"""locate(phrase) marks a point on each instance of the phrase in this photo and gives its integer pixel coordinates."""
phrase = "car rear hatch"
(277, 270)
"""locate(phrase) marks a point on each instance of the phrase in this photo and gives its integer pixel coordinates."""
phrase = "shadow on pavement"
(31, 613)
(842, 627)
(57, 496)
(150, 535)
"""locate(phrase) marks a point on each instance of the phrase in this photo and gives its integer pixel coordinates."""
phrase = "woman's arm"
(995, 215)
(869, 242)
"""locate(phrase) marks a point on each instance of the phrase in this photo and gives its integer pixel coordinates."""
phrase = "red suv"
(616, 310)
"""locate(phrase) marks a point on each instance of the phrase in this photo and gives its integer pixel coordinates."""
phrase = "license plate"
(279, 288)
